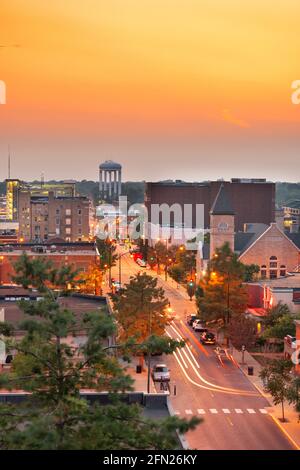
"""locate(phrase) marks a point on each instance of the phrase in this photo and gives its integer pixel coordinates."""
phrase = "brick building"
(253, 200)
(80, 256)
(46, 211)
(275, 252)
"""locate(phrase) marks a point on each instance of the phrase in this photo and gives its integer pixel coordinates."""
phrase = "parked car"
(208, 338)
(161, 373)
(191, 318)
(198, 326)
(142, 263)
(117, 285)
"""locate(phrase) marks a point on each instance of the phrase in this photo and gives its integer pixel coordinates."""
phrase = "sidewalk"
(140, 380)
(291, 427)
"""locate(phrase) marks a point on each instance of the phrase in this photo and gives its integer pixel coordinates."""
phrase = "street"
(234, 412)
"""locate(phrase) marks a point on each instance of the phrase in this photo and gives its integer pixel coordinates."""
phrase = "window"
(79, 221)
(68, 230)
(273, 273)
(263, 271)
(80, 231)
(68, 221)
(79, 212)
(273, 262)
(57, 211)
(282, 270)
(68, 211)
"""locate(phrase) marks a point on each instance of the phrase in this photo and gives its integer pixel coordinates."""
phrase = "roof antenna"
(8, 162)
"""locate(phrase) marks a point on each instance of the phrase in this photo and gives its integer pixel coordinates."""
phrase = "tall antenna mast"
(8, 162)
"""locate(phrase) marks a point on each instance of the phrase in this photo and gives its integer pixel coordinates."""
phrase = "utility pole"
(149, 354)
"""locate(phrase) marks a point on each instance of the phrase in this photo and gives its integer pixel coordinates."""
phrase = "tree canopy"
(53, 369)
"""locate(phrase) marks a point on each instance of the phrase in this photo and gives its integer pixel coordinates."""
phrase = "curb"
(182, 439)
(284, 431)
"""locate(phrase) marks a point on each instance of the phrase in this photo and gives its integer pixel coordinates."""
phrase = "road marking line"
(179, 352)
(213, 411)
(188, 412)
(251, 411)
(192, 356)
(238, 411)
(226, 410)
(201, 412)
(263, 411)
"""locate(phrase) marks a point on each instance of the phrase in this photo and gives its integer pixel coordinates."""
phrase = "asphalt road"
(234, 413)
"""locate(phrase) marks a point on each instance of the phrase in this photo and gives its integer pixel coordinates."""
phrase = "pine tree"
(53, 371)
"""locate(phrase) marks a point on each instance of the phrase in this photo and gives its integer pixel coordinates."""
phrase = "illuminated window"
(68, 211)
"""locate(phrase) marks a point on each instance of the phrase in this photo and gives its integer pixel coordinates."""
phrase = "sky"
(181, 89)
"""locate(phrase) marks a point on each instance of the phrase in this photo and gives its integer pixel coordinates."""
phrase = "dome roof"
(110, 165)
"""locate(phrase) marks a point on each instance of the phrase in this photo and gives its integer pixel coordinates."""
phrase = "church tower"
(221, 221)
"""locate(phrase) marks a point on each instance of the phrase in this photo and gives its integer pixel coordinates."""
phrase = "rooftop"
(222, 204)
(110, 165)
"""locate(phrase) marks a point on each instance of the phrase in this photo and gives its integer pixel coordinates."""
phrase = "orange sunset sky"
(185, 89)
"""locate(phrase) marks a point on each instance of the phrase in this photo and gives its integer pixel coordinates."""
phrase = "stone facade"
(221, 231)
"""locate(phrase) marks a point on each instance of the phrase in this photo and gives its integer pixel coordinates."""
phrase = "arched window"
(273, 265)
(263, 271)
(282, 270)
(273, 262)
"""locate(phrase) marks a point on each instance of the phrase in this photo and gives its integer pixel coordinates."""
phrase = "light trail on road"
(208, 385)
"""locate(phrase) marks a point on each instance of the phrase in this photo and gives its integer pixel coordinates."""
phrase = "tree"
(222, 292)
(285, 325)
(277, 377)
(276, 312)
(250, 272)
(177, 273)
(158, 255)
(184, 266)
(242, 332)
(140, 309)
(293, 394)
(90, 282)
(54, 416)
(107, 255)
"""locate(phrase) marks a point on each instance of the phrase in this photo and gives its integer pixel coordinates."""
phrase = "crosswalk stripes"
(226, 411)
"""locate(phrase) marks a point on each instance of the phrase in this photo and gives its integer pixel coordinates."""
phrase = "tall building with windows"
(48, 211)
